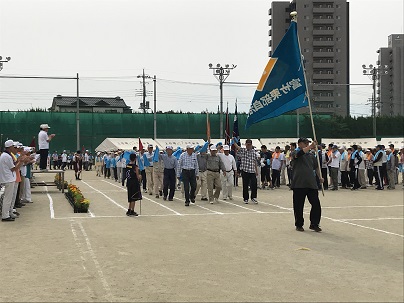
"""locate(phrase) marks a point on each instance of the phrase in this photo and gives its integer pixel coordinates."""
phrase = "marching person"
(334, 166)
(149, 169)
(86, 160)
(304, 184)
(202, 180)
(214, 165)
(266, 157)
(377, 164)
(64, 160)
(98, 164)
(158, 173)
(118, 160)
(133, 185)
(361, 168)
(278, 161)
(391, 169)
(228, 174)
(188, 167)
(343, 168)
(43, 144)
(170, 167)
(78, 165)
(354, 162)
(369, 166)
(323, 157)
(249, 169)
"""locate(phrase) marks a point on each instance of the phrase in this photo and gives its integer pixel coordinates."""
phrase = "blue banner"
(156, 154)
(282, 86)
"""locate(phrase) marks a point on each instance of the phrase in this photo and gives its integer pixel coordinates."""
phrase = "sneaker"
(211, 202)
(245, 201)
(316, 228)
(164, 198)
(299, 228)
(160, 193)
(128, 212)
(254, 200)
(7, 219)
(204, 199)
(13, 216)
(150, 194)
(16, 213)
(192, 200)
(133, 214)
(145, 191)
(157, 196)
(170, 200)
(187, 203)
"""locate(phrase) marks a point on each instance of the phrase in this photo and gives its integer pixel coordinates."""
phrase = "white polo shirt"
(335, 161)
(228, 161)
(6, 165)
(43, 140)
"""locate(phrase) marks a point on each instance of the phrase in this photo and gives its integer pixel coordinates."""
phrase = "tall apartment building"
(390, 84)
(323, 30)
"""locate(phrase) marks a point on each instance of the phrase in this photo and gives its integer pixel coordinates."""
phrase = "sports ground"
(225, 252)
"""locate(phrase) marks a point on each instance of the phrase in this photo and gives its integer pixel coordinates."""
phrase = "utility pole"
(221, 73)
(155, 108)
(77, 113)
(144, 105)
(374, 72)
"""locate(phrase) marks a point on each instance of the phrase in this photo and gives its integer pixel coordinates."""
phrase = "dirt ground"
(224, 252)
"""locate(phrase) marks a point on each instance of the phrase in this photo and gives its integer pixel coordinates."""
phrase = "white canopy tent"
(179, 142)
(111, 144)
(398, 142)
(347, 142)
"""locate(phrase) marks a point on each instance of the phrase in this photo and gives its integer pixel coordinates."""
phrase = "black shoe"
(133, 214)
(128, 213)
(164, 198)
(186, 203)
(192, 200)
(16, 213)
(316, 228)
(204, 199)
(299, 228)
(9, 219)
(170, 199)
(160, 193)
(18, 205)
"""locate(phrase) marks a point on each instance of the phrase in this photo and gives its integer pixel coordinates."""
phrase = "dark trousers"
(276, 178)
(189, 180)
(64, 165)
(325, 177)
(384, 174)
(378, 176)
(299, 197)
(355, 180)
(144, 180)
(370, 176)
(169, 182)
(43, 161)
(290, 174)
(124, 169)
(249, 179)
(115, 173)
(345, 179)
(107, 172)
(266, 174)
(334, 177)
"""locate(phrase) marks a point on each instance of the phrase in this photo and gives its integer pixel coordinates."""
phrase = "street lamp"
(221, 73)
(374, 72)
(1, 61)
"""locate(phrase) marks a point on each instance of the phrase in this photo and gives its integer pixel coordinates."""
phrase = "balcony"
(323, 21)
(323, 54)
(323, 10)
(322, 87)
(323, 32)
(323, 65)
(323, 43)
(323, 76)
(323, 99)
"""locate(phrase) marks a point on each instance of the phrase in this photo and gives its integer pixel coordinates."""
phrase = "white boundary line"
(372, 219)
(194, 204)
(100, 273)
(162, 205)
(250, 209)
(113, 201)
(341, 221)
(52, 211)
(361, 206)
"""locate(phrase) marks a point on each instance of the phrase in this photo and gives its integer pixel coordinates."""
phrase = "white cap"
(226, 147)
(8, 143)
(190, 146)
(44, 126)
(27, 149)
(169, 147)
(213, 147)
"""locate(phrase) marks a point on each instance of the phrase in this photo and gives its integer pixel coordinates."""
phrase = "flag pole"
(294, 19)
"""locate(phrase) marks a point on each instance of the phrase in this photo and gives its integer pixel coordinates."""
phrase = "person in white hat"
(188, 167)
(43, 143)
(170, 167)
(227, 178)
(149, 169)
(214, 165)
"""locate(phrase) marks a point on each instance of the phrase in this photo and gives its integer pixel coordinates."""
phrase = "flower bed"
(58, 182)
(76, 199)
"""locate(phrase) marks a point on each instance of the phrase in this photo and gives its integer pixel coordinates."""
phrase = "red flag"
(83, 150)
(227, 131)
(32, 144)
(140, 145)
(207, 126)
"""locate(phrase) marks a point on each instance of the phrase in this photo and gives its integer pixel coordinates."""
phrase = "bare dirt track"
(222, 252)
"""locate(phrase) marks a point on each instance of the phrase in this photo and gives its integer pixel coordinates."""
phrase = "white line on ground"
(113, 201)
(162, 205)
(250, 209)
(338, 220)
(52, 211)
(372, 219)
(91, 214)
(93, 257)
(213, 211)
(362, 206)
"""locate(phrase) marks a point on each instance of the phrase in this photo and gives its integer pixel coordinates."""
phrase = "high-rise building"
(390, 85)
(323, 30)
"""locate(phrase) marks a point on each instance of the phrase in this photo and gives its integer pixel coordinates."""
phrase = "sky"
(110, 42)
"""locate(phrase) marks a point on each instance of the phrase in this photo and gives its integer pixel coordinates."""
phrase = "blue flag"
(126, 156)
(178, 153)
(204, 148)
(145, 161)
(140, 163)
(156, 154)
(282, 86)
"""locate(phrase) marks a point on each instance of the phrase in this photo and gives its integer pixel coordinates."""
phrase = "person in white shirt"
(230, 166)
(361, 168)
(43, 144)
(334, 166)
(86, 160)
(149, 169)
(64, 160)
(118, 160)
(8, 178)
(278, 160)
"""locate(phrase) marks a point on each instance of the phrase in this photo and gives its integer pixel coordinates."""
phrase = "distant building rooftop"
(90, 104)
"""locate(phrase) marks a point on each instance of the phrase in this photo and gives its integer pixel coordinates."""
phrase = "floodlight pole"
(221, 73)
(155, 108)
(78, 113)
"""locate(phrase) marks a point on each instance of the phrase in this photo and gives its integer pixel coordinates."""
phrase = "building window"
(306, 39)
(338, 28)
(306, 17)
(338, 72)
(336, 60)
(306, 50)
(338, 50)
(306, 6)
(338, 17)
(330, 50)
(306, 28)
(339, 39)
(329, 28)
(329, 16)
(329, 60)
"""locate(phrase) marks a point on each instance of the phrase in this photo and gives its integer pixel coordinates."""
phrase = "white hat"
(226, 147)
(169, 147)
(27, 149)
(213, 147)
(150, 145)
(189, 146)
(16, 143)
(42, 126)
(8, 143)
